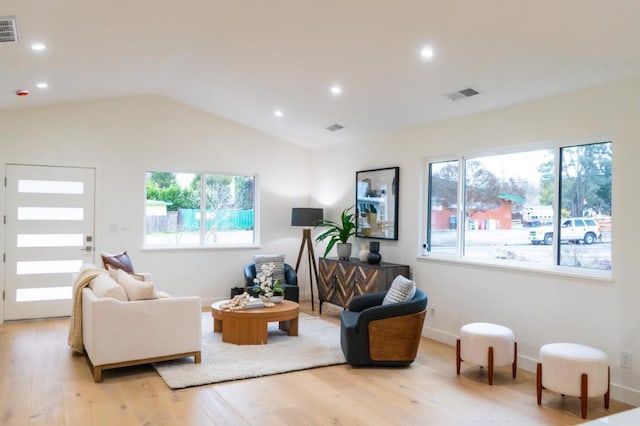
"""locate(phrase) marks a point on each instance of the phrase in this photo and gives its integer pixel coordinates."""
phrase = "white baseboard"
(207, 302)
(618, 392)
(625, 394)
(440, 336)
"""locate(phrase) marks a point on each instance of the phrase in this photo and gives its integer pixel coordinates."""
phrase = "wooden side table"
(249, 327)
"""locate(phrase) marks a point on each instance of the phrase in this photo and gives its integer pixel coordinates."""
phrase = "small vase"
(374, 257)
(364, 252)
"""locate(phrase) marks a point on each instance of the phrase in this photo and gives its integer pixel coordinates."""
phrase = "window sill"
(563, 271)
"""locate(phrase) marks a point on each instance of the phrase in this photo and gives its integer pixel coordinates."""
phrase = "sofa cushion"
(276, 259)
(118, 261)
(113, 273)
(104, 286)
(402, 289)
(136, 290)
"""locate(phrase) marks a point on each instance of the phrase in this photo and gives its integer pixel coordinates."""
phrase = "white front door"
(48, 236)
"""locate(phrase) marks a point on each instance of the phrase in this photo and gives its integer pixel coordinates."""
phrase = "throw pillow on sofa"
(104, 286)
(136, 290)
(118, 261)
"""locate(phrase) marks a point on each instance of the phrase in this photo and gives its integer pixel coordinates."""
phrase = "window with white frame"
(502, 208)
(199, 210)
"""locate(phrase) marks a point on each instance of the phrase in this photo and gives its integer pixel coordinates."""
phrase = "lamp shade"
(303, 216)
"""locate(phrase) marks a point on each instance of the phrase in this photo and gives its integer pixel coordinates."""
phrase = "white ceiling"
(243, 59)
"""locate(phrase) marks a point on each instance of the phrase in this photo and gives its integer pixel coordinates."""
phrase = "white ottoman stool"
(575, 370)
(487, 344)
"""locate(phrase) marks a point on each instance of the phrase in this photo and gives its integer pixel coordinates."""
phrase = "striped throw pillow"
(276, 259)
(402, 289)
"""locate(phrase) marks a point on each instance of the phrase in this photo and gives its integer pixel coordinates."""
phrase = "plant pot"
(272, 299)
(344, 251)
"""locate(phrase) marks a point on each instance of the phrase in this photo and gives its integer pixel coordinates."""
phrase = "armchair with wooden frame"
(375, 334)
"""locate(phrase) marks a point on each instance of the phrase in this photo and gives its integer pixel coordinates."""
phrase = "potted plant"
(268, 290)
(339, 233)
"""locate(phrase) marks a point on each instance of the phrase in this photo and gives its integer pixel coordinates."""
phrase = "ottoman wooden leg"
(514, 366)
(584, 394)
(539, 382)
(490, 365)
(606, 395)
(458, 357)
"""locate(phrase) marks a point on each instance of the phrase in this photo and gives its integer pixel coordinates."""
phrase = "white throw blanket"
(85, 276)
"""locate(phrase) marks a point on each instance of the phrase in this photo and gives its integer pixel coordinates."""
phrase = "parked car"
(574, 230)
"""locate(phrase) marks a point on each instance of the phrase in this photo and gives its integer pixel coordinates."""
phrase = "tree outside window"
(175, 216)
(505, 210)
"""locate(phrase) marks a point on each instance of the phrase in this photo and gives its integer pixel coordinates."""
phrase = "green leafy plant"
(337, 232)
(278, 290)
(275, 290)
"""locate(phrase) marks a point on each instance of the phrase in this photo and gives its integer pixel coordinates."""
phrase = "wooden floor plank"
(43, 383)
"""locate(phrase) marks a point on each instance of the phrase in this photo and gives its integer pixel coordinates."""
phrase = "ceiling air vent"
(335, 127)
(8, 30)
(462, 94)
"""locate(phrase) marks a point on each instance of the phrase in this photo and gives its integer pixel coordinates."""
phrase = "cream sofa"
(119, 334)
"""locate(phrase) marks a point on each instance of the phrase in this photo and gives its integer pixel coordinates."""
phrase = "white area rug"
(317, 345)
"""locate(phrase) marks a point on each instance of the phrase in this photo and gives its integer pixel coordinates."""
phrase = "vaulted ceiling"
(243, 60)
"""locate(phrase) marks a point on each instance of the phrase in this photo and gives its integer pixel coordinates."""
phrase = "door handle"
(87, 248)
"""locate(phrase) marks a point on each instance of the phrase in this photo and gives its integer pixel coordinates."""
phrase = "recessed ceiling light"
(427, 53)
(278, 113)
(38, 47)
(336, 90)
(42, 85)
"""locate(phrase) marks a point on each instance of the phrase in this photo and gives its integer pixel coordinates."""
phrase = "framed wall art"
(377, 203)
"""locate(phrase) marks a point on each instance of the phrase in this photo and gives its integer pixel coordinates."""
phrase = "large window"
(199, 209)
(504, 208)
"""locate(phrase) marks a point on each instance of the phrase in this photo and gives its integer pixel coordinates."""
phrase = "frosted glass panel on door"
(50, 187)
(48, 267)
(45, 293)
(50, 213)
(49, 240)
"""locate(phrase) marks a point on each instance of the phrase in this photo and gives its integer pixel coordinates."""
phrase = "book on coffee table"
(254, 303)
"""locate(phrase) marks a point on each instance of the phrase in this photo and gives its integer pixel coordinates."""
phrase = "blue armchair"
(290, 285)
(376, 334)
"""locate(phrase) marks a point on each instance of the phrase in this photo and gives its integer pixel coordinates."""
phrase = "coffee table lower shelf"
(249, 327)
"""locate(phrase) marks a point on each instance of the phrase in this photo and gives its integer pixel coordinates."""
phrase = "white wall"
(540, 308)
(125, 137)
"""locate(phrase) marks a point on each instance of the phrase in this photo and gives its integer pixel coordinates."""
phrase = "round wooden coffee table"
(249, 326)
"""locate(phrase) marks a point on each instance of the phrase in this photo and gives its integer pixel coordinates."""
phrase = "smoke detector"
(335, 127)
(8, 29)
(462, 94)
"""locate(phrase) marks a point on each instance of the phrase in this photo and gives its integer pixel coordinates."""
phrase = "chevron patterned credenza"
(340, 280)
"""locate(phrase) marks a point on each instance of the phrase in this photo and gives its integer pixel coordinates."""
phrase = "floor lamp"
(307, 217)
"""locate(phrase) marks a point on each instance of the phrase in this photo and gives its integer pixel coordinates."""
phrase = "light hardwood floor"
(43, 384)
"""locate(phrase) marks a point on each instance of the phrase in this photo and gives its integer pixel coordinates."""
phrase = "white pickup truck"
(574, 229)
